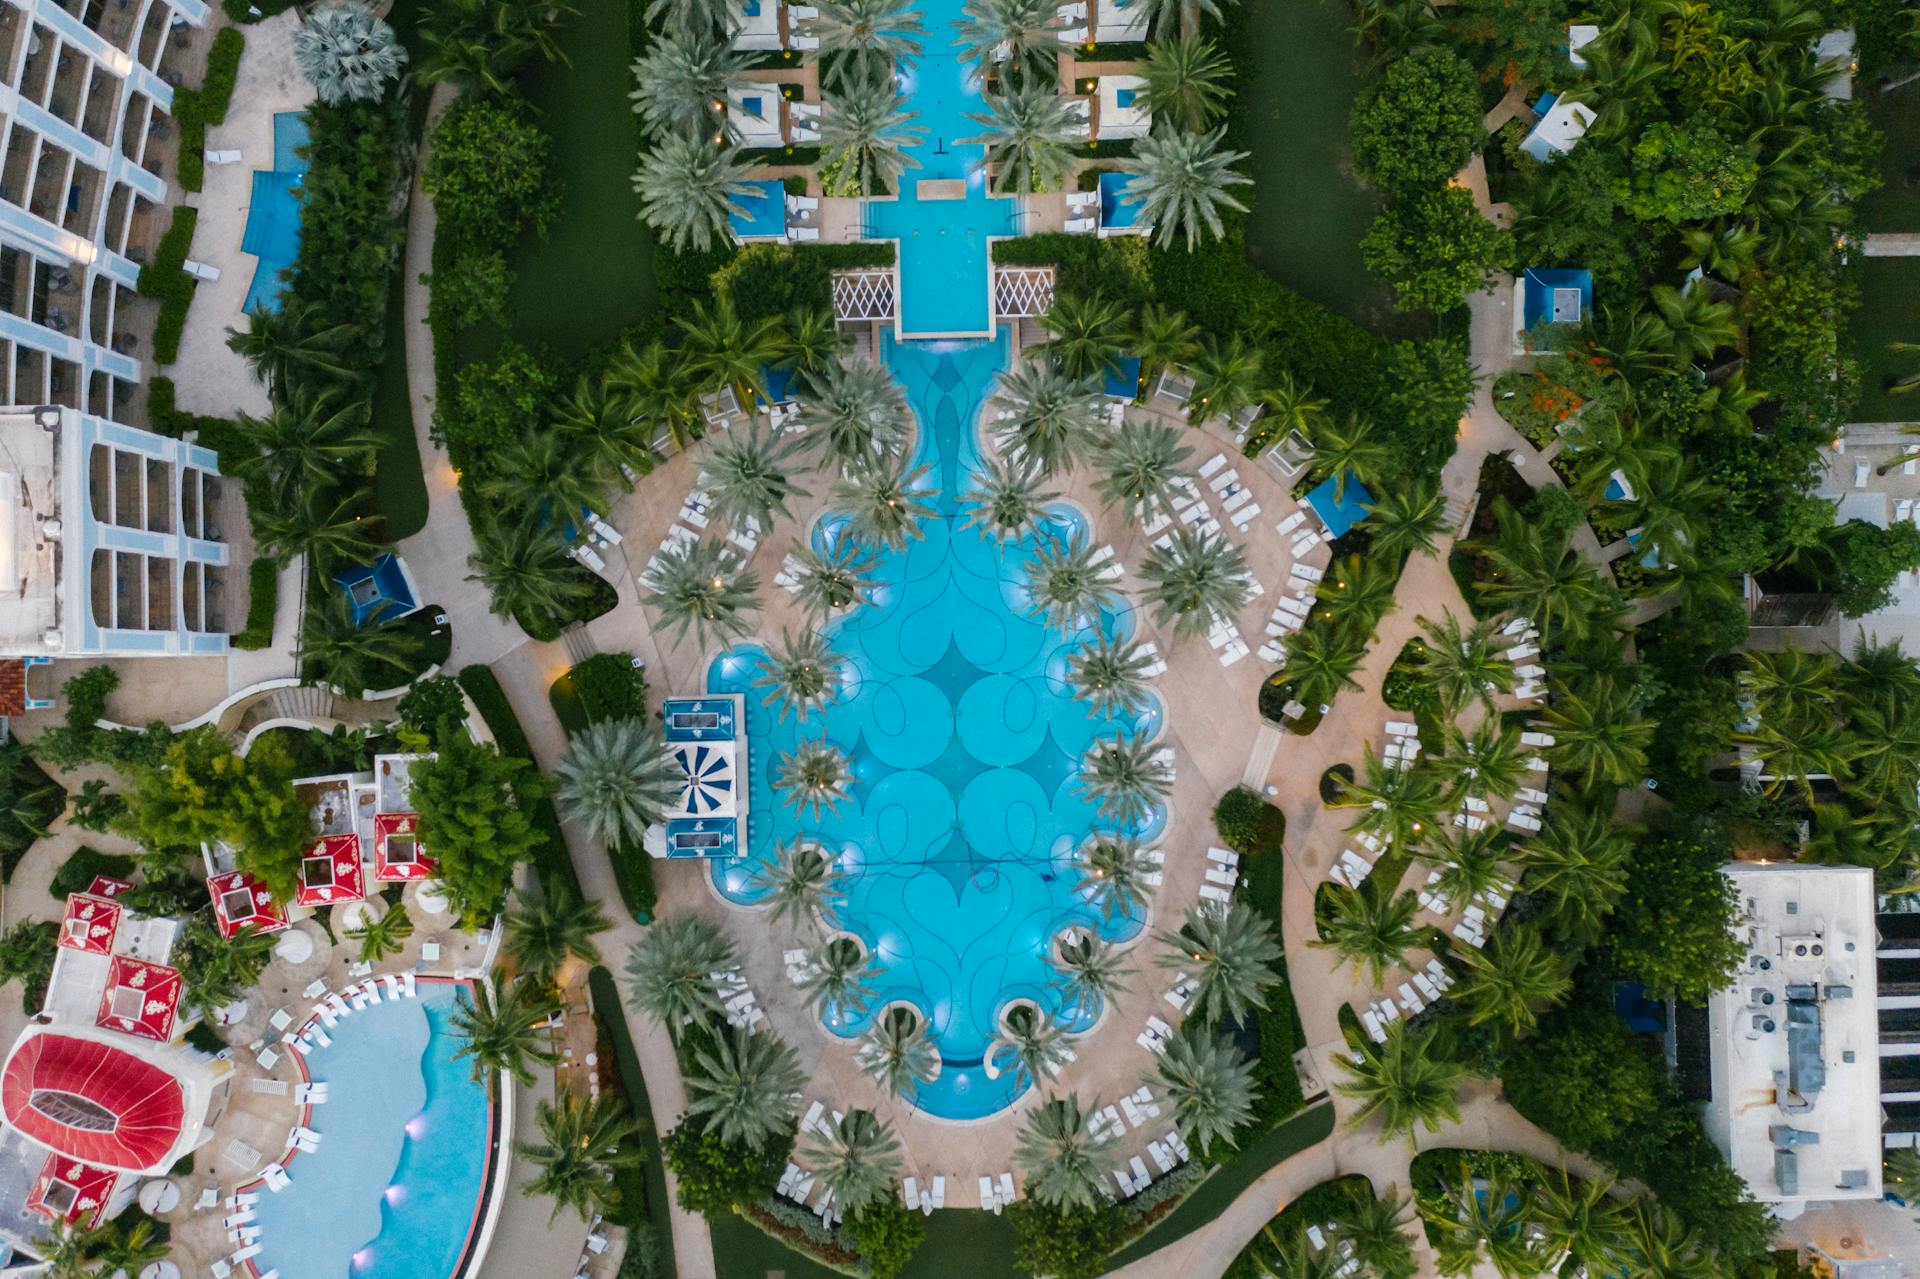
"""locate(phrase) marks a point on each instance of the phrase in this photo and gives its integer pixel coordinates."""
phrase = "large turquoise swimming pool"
(966, 742)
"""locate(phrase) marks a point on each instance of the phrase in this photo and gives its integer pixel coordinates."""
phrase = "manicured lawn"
(1896, 205)
(592, 275)
(399, 490)
(1889, 312)
(960, 1244)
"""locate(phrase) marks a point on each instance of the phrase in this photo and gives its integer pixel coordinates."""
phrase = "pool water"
(966, 742)
(273, 215)
(380, 588)
(395, 1187)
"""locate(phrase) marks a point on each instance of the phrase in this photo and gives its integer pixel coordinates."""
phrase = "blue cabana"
(1555, 296)
(1340, 516)
(765, 207)
(381, 589)
(1123, 379)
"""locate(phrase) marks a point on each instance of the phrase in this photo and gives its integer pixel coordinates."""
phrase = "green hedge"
(197, 109)
(610, 686)
(551, 861)
(1256, 830)
(77, 873)
(216, 433)
(165, 279)
(263, 601)
(243, 10)
(656, 1210)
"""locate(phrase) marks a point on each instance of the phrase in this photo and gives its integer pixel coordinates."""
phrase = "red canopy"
(90, 924)
(332, 872)
(108, 886)
(140, 999)
(239, 900)
(92, 1101)
(70, 1191)
(398, 853)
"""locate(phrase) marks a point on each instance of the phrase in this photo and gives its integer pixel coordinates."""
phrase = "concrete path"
(1891, 244)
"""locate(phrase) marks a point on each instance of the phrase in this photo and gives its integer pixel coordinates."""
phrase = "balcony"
(163, 611)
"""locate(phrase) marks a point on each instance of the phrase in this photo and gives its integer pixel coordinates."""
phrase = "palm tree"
(671, 970)
(1469, 862)
(584, 1142)
(1599, 735)
(617, 777)
(526, 570)
(885, 502)
(1166, 17)
(354, 656)
(896, 1052)
(839, 983)
(1111, 674)
(1017, 34)
(328, 527)
(539, 475)
(1055, 1149)
(612, 444)
(687, 188)
(723, 349)
(504, 1028)
(1094, 972)
(813, 776)
(1353, 448)
(1029, 1044)
(1370, 930)
(747, 475)
(802, 677)
(1394, 804)
(347, 54)
(698, 585)
(742, 1086)
(688, 17)
(1691, 323)
(831, 579)
(1007, 499)
(800, 881)
(1139, 466)
(280, 346)
(1088, 334)
(1066, 587)
(1118, 874)
(480, 43)
(812, 340)
(1196, 580)
(1227, 378)
(1396, 28)
(1358, 592)
(1163, 338)
(1055, 414)
(72, 1252)
(1406, 1081)
(865, 133)
(1510, 980)
(129, 1248)
(1030, 134)
(1292, 407)
(864, 39)
(1582, 1221)
(1463, 663)
(858, 410)
(1822, 750)
(1661, 1246)
(1540, 575)
(1321, 660)
(1791, 687)
(1186, 82)
(544, 935)
(654, 389)
(1488, 761)
(1469, 1216)
(1182, 181)
(1210, 1084)
(1604, 441)
(1578, 862)
(857, 1160)
(1666, 511)
(681, 83)
(1233, 952)
(1123, 775)
(1368, 1228)
(382, 935)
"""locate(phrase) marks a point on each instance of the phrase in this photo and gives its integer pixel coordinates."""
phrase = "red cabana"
(90, 924)
(141, 999)
(92, 1101)
(331, 872)
(398, 854)
(108, 886)
(240, 900)
(71, 1191)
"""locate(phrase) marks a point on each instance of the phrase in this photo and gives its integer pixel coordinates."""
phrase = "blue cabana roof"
(1123, 380)
(1340, 516)
(779, 383)
(765, 206)
(379, 589)
(1556, 295)
(1115, 209)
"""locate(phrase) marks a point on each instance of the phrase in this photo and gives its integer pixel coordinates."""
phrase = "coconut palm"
(330, 526)
(1661, 1246)
(831, 579)
(1349, 449)
(1231, 953)
(885, 502)
(812, 340)
(1088, 333)
(1030, 134)
(1665, 512)
(1582, 1221)
(1469, 862)
(1093, 972)
(1540, 575)
(1210, 1084)
(1488, 761)
(687, 187)
(699, 585)
(681, 83)
(502, 1027)
(799, 882)
(1603, 442)
(526, 570)
(1029, 1045)
(1396, 804)
(1187, 82)
(1320, 662)
(292, 344)
(896, 1052)
(480, 43)
(747, 474)
(1787, 756)
(347, 54)
(802, 676)
(652, 386)
(1357, 591)
(1163, 338)
(1481, 1217)
(544, 935)
(606, 439)
(1791, 687)
(722, 348)
(864, 40)
(1123, 775)
(1017, 35)
(1055, 414)
(1111, 674)
(373, 652)
(1228, 378)
(1578, 863)
(383, 934)
(584, 1141)
(617, 777)
(1167, 17)
(865, 134)
(742, 1085)
(671, 967)
(1182, 181)
(689, 17)
(1196, 580)
(1007, 500)
(1372, 930)
(857, 411)
(1690, 324)
(1510, 980)
(1369, 1229)
(839, 982)
(129, 1246)
(1598, 733)
(1292, 408)
(1139, 465)
(813, 777)
(1464, 663)
(857, 1159)
(1055, 1149)
(539, 475)
(73, 1252)
(1118, 874)
(1284, 1254)
(1405, 1080)
(1066, 587)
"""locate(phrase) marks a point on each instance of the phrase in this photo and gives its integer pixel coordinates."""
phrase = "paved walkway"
(1891, 244)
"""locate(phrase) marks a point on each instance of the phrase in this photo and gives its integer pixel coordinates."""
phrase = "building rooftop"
(30, 547)
(1795, 1038)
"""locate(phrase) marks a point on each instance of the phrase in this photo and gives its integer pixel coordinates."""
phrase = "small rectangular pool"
(273, 214)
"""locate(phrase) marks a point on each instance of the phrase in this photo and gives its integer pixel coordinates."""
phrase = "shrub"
(610, 686)
(633, 874)
(196, 109)
(887, 1236)
(551, 860)
(77, 873)
(1248, 824)
(491, 701)
(30, 802)
(1418, 125)
(495, 403)
(488, 173)
(26, 956)
(263, 602)
(1066, 1243)
(165, 280)
(717, 1176)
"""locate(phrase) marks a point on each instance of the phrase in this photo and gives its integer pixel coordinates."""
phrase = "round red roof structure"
(93, 1100)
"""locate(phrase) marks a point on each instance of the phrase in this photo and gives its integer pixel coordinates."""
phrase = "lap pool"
(966, 741)
(398, 1182)
(273, 214)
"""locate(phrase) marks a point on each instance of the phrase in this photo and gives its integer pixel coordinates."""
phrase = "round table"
(294, 946)
(162, 1269)
(162, 1194)
(355, 915)
(232, 1013)
(432, 898)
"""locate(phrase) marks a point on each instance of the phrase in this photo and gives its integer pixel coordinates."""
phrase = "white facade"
(1795, 1039)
